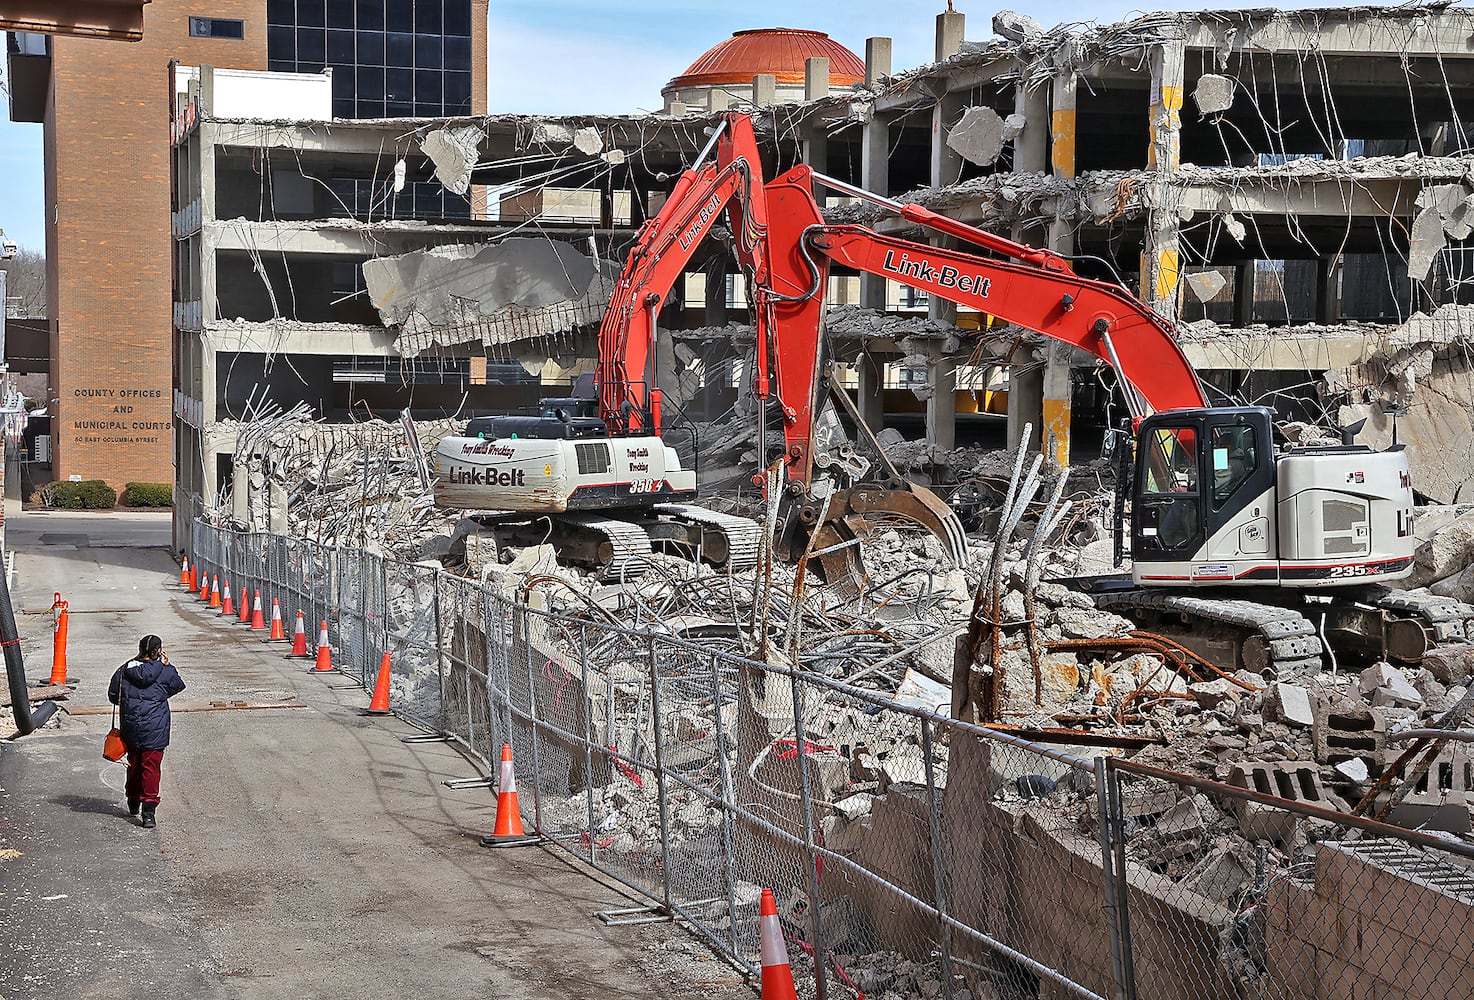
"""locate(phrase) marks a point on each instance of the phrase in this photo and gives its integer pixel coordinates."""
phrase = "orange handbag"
(113, 747)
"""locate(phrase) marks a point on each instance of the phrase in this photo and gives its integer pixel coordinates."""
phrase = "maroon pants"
(143, 775)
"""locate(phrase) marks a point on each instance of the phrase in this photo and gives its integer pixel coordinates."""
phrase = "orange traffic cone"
(204, 596)
(226, 607)
(258, 617)
(215, 592)
(324, 654)
(508, 831)
(59, 643)
(299, 637)
(777, 976)
(194, 579)
(278, 632)
(184, 572)
(245, 616)
(379, 704)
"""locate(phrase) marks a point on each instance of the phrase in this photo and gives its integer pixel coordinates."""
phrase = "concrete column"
(871, 391)
(716, 292)
(941, 408)
(205, 389)
(950, 27)
(1327, 290)
(240, 492)
(764, 90)
(1031, 146)
(1161, 249)
(946, 162)
(875, 140)
(718, 99)
(1062, 126)
(1055, 416)
(877, 60)
(816, 78)
(277, 499)
(1025, 401)
(1243, 293)
(815, 142)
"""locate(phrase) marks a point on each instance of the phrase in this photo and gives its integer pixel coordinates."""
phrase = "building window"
(216, 27)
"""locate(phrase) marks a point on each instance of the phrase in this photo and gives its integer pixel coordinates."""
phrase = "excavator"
(1279, 553)
(595, 475)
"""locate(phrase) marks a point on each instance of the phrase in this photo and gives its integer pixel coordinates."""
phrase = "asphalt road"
(299, 853)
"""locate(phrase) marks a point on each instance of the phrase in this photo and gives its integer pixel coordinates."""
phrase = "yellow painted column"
(1161, 262)
(1055, 415)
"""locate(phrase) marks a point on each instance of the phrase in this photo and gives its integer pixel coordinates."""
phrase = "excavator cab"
(1199, 471)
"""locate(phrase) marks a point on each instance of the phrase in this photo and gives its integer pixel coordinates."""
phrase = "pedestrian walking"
(141, 688)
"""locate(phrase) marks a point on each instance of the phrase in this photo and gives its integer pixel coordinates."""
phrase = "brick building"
(105, 109)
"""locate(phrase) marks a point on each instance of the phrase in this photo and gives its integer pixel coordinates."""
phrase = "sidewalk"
(299, 853)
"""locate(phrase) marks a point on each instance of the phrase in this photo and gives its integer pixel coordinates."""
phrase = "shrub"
(148, 495)
(89, 494)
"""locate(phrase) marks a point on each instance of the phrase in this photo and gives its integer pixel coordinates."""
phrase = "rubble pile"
(338, 484)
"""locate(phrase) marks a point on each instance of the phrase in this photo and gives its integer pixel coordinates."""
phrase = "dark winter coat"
(141, 689)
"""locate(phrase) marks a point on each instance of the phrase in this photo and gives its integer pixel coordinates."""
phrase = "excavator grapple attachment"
(855, 515)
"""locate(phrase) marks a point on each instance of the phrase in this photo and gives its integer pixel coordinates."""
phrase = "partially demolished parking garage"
(972, 777)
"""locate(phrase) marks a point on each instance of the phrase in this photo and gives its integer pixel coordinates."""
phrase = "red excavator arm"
(1036, 289)
(629, 399)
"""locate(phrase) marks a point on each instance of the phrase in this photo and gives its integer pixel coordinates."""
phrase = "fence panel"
(1288, 898)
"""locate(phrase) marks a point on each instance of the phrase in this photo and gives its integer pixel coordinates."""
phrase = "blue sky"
(565, 56)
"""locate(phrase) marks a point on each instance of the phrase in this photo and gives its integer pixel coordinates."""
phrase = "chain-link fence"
(911, 854)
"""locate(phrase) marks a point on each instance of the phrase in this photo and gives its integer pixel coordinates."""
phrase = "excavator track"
(623, 548)
(737, 539)
(1280, 639)
(1412, 624)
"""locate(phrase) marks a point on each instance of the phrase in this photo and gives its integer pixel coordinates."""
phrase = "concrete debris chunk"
(588, 141)
(1292, 704)
(979, 136)
(1451, 664)
(454, 152)
(1427, 241)
(613, 156)
(1206, 284)
(514, 290)
(1235, 228)
(1016, 27)
(1391, 683)
(1354, 769)
(1213, 94)
(548, 133)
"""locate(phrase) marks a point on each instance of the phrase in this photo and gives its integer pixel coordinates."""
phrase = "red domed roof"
(780, 51)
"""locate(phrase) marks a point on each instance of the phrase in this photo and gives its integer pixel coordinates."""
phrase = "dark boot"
(148, 815)
(133, 805)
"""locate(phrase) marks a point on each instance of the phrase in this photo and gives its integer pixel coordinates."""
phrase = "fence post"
(363, 616)
(660, 788)
(588, 731)
(939, 870)
(532, 723)
(811, 857)
(437, 610)
(1113, 869)
(724, 765)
